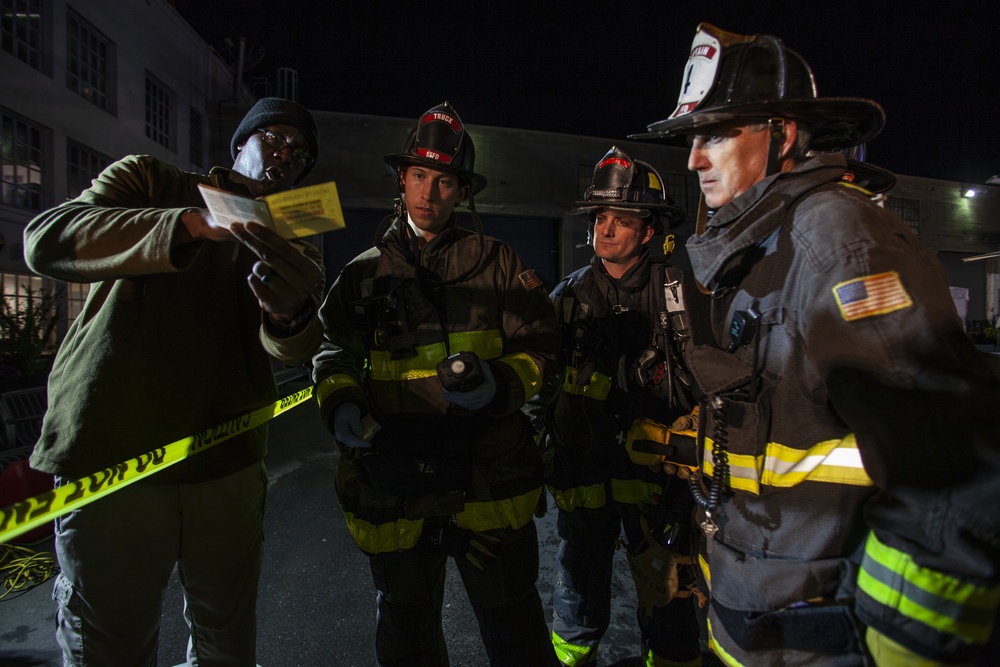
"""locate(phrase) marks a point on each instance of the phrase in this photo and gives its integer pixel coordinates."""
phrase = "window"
(20, 163)
(76, 296)
(29, 315)
(18, 290)
(197, 138)
(21, 30)
(82, 166)
(158, 116)
(907, 209)
(88, 62)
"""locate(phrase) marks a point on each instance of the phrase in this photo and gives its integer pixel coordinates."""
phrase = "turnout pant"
(581, 598)
(504, 598)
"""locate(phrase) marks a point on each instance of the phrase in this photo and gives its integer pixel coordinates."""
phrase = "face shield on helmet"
(754, 78)
(439, 141)
(632, 186)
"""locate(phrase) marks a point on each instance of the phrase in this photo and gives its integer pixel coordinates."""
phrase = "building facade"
(83, 83)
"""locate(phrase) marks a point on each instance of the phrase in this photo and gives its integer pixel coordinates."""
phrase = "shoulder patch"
(871, 295)
(529, 280)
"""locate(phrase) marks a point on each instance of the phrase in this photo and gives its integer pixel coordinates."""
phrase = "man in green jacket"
(176, 337)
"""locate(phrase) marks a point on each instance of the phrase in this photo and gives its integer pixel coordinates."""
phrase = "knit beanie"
(278, 111)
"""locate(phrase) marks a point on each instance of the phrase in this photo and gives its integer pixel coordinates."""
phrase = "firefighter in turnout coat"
(622, 383)
(434, 339)
(848, 516)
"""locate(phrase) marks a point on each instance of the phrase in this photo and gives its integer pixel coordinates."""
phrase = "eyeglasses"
(299, 155)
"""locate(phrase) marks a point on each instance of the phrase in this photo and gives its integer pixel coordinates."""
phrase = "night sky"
(609, 69)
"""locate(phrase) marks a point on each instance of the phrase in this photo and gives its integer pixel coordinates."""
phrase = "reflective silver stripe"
(830, 461)
(834, 461)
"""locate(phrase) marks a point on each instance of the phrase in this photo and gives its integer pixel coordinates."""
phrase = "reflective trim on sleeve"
(892, 579)
(589, 497)
(597, 388)
(836, 461)
(635, 491)
(500, 513)
(527, 370)
(330, 384)
(385, 537)
(487, 344)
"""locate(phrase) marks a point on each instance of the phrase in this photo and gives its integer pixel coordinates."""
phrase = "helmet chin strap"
(776, 132)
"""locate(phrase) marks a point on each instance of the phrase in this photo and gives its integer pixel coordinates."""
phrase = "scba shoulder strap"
(673, 302)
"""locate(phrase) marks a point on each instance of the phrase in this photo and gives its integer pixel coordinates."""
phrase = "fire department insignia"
(871, 295)
(529, 279)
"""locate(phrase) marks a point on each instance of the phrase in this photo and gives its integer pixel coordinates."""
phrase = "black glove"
(480, 549)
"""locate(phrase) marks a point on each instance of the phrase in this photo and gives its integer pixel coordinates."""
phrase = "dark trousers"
(410, 588)
(581, 598)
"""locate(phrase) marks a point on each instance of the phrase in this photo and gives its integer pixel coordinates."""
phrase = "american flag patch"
(530, 280)
(871, 295)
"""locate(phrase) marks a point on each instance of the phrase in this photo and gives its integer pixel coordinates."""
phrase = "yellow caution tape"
(21, 517)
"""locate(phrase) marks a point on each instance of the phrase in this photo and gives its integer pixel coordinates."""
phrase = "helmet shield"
(439, 141)
(755, 78)
(623, 183)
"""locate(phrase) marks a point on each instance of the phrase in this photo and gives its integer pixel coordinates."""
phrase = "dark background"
(609, 69)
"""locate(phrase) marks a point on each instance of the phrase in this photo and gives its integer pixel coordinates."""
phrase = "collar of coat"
(755, 214)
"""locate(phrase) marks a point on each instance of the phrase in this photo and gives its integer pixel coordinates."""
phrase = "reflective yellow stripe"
(571, 655)
(634, 491)
(590, 497)
(501, 513)
(385, 537)
(892, 579)
(830, 461)
(478, 516)
(328, 385)
(487, 344)
(743, 469)
(703, 564)
(527, 370)
(836, 461)
(597, 388)
(719, 651)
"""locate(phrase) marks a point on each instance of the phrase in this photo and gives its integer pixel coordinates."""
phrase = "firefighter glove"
(484, 550)
(347, 426)
(686, 422)
(480, 549)
(478, 397)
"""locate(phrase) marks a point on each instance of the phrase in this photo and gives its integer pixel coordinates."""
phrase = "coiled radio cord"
(709, 500)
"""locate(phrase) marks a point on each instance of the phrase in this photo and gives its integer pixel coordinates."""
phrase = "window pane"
(87, 61)
(20, 163)
(82, 166)
(20, 30)
(158, 102)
